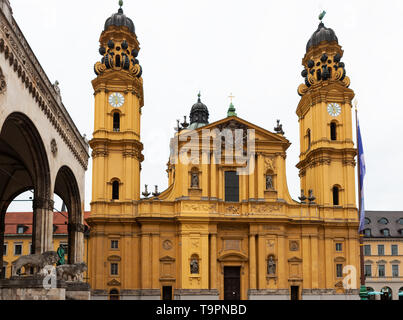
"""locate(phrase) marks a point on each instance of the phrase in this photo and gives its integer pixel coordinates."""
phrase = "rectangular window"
(367, 250)
(231, 186)
(339, 247)
(381, 250)
(368, 271)
(114, 244)
(394, 250)
(31, 248)
(381, 270)
(339, 270)
(3, 270)
(5, 247)
(17, 249)
(395, 270)
(114, 269)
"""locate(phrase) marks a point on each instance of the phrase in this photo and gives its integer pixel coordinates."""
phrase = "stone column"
(252, 261)
(282, 263)
(213, 180)
(261, 263)
(205, 175)
(145, 261)
(42, 234)
(213, 261)
(315, 261)
(252, 185)
(306, 268)
(260, 177)
(155, 261)
(221, 186)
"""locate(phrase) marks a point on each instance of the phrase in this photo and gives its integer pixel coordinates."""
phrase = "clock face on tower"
(333, 109)
(116, 100)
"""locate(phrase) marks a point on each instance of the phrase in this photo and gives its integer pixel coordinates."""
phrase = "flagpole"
(363, 288)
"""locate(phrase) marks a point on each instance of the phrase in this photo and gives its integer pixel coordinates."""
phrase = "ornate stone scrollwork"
(3, 84)
(323, 68)
(53, 147)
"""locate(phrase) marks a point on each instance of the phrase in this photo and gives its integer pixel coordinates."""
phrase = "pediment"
(167, 259)
(295, 259)
(232, 256)
(113, 282)
(381, 261)
(114, 258)
(238, 123)
(339, 259)
(368, 261)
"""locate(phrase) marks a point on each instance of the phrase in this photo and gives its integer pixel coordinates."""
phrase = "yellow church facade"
(226, 227)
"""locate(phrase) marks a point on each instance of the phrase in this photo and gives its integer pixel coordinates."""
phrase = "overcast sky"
(250, 48)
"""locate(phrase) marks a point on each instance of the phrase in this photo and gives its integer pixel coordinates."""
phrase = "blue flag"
(361, 177)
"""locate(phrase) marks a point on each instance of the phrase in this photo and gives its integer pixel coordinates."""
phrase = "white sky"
(250, 48)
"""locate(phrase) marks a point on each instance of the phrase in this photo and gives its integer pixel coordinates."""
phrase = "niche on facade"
(194, 182)
(270, 180)
(194, 264)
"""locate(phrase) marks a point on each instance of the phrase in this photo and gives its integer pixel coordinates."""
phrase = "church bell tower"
(325, 117)
(118, 91)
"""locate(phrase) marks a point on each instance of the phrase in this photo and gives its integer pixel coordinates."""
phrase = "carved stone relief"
(167, 245)
(232, 244)
(294, 245)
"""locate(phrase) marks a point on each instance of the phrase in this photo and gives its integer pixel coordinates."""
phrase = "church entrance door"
(232, 283)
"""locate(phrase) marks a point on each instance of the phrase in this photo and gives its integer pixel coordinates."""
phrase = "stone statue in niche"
(194, 266)
(195, 180)
(271, 266)
(269, 182)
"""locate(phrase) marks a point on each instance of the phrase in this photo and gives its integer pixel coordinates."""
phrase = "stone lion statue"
(71, 272)
(36, 261)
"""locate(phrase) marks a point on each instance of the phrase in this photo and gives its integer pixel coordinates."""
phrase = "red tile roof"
(15, 219)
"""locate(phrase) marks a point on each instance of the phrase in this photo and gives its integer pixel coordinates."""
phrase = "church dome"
(321, 34)
(198, 114)
(119, 19)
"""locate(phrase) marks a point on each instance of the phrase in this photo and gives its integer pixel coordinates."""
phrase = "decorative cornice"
(21, 57)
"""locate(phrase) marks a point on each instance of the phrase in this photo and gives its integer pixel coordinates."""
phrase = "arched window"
(336, 201)
(308, 135)
(383, 221)
(367, 221)
(115, 190)
(333, 131)
(114, 294)
(400, 221)
(116, 122)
